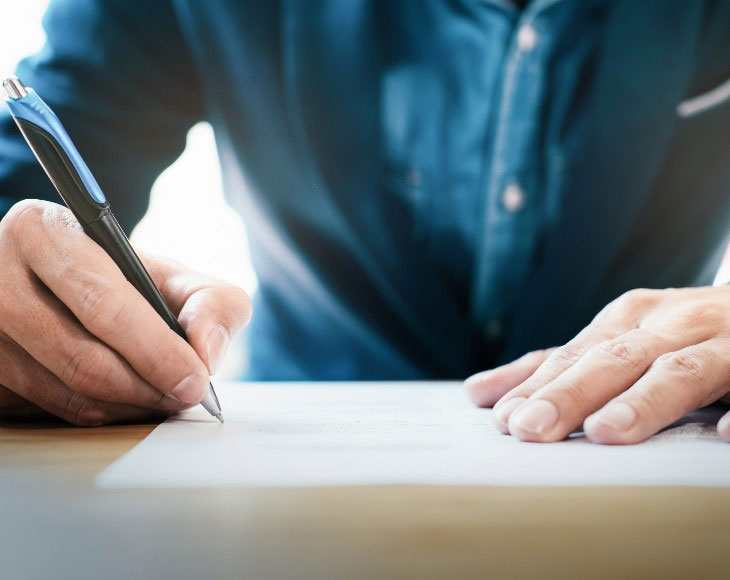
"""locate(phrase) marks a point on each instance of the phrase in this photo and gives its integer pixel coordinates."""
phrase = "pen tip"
(219, 417)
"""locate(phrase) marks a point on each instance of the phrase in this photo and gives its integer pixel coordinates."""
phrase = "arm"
(76, 339)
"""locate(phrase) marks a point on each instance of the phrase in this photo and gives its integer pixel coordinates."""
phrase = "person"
(431, 189)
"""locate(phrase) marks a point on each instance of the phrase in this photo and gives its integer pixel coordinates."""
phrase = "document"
(332, 434)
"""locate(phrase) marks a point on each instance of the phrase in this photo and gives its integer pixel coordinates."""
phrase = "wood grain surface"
(55, 524)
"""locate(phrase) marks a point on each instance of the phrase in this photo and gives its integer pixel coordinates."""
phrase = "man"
(431, 188)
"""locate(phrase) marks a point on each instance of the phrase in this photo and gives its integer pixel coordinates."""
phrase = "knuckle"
(637, 300)
(622, 352)
(87, 371)
(566, 356)
(22, 220)
(26, 211)
(689, 366)
(84, 412)
(536, 356)
(98, 310)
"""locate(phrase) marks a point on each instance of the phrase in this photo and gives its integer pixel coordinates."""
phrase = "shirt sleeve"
(119, 76)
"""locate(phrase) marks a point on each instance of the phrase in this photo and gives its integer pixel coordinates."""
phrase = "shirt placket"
(511, 216)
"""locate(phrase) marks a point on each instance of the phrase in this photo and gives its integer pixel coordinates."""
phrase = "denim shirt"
(468, 126)
(430, 188)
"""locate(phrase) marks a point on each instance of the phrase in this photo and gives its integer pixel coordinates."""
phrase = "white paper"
(307, 434)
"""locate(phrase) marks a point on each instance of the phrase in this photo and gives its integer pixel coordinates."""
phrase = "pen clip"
(55, 151)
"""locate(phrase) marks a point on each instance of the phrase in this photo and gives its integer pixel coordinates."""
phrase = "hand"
(79, 342)
(649, 358)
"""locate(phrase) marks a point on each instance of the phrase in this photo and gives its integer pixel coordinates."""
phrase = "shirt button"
(414, 177)
(526, 38)
(513, 198)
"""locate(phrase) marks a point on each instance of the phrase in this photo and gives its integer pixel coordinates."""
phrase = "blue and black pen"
(83, 196)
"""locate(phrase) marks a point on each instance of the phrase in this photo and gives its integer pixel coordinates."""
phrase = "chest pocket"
(405, 189)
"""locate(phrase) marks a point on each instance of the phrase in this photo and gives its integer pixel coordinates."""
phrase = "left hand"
(648, 358)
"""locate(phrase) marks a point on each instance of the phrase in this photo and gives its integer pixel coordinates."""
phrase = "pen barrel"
(73, 180)
(97, 219)
(107, 232)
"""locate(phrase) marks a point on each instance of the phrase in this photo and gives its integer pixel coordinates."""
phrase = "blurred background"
(186, 197)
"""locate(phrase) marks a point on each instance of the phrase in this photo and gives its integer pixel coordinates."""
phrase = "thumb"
(488, 387)
(211, 311)
(212, 316)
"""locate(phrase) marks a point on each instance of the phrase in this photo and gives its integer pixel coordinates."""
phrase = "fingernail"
(216, 344)
(618, 416)
(503, 410)
(536, 416)
(191, 389)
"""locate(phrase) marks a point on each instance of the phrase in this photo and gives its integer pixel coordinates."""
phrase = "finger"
(210, 310)
(676, 384)
(46, 330)
(487, 387)
(617, 318)
(723, 427)
(604, 371)
(33, 382)
(557, 362)
(211, 318)
(88, 282)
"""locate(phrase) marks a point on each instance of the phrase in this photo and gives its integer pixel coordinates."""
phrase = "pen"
(77, 187)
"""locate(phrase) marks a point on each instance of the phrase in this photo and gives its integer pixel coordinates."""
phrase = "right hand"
(79, 342)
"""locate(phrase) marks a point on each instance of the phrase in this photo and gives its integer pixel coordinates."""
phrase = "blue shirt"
(429, 187)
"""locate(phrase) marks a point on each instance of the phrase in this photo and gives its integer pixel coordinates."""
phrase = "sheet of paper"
(306, 434)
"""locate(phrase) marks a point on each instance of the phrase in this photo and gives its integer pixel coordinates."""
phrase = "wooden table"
(56, 524)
